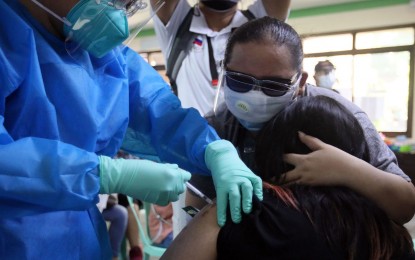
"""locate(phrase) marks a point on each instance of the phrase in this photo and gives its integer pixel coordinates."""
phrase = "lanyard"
(212, 64)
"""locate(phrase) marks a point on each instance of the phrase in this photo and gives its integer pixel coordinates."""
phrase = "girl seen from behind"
(299, 221)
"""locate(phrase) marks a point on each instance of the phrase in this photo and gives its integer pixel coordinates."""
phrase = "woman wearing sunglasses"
(262, 75)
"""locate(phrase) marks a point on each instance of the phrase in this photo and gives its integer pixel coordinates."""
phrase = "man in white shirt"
(213, 20)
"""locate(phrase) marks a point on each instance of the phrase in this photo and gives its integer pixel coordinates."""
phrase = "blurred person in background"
(325, 75)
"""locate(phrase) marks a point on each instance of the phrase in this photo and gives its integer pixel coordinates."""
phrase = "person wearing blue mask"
(71, 96)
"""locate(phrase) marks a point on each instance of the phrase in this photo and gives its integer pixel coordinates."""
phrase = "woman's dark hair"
(321, 117)
(268, 30)
(352, 225)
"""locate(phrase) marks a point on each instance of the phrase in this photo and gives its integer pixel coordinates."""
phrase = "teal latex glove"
(142, 179)
(231, 178)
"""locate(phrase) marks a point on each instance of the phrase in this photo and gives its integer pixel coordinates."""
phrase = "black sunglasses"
(242, 83)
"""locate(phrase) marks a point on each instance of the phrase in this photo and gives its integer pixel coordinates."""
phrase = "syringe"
(198, 193)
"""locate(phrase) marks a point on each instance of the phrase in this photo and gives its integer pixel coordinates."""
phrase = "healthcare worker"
(70, 97)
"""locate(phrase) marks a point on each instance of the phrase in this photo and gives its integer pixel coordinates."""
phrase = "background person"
(193, 40)
(248, 106)
(117, 216)
(301, 221)
(70, 99)
(325, 75)
(161, 224)
(209, 23)
(132, 232)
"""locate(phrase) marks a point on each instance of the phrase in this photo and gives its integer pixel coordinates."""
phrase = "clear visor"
(129, 6)
(98, 26)
(139, 15)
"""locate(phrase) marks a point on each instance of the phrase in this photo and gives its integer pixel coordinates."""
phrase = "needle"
(198, 193)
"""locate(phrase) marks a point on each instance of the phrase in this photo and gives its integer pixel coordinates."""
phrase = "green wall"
(328, 9)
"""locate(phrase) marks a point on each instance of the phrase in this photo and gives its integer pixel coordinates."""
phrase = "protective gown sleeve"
(38, 174)
(159, 126)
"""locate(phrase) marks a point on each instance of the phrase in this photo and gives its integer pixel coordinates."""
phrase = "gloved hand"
(231, 177)
(142, 179)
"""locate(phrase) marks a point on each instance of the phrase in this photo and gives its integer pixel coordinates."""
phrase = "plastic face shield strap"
(219, 97)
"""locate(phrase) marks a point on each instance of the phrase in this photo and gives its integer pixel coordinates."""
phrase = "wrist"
(217, 150)
(355, 174)
(103, 174)
(111, 171)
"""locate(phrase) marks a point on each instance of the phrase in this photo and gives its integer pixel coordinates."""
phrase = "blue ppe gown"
(58, 112)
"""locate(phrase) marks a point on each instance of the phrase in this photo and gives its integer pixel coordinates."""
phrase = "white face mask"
(253, 109)
(326, 81)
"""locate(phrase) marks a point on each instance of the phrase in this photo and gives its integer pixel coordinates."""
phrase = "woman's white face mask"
(253, 109)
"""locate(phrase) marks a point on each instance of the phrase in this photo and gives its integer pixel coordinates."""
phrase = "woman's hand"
(325, 165)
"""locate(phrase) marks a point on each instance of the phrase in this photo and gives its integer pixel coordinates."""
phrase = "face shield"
(254, 101)
(98, 26)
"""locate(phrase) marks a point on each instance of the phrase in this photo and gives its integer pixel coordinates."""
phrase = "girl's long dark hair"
(350, 223)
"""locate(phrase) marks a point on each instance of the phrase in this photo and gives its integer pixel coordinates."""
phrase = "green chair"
(148, 248)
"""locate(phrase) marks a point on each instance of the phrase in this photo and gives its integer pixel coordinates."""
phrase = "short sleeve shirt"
(272, 230)
(194, 81)
(380, 155)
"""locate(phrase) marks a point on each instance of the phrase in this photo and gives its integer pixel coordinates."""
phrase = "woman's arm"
(327, 165)
(198, 239)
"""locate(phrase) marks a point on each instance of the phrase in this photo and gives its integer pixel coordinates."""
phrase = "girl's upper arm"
(198, 239)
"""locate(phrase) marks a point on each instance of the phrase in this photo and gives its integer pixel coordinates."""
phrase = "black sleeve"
(271, 231)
